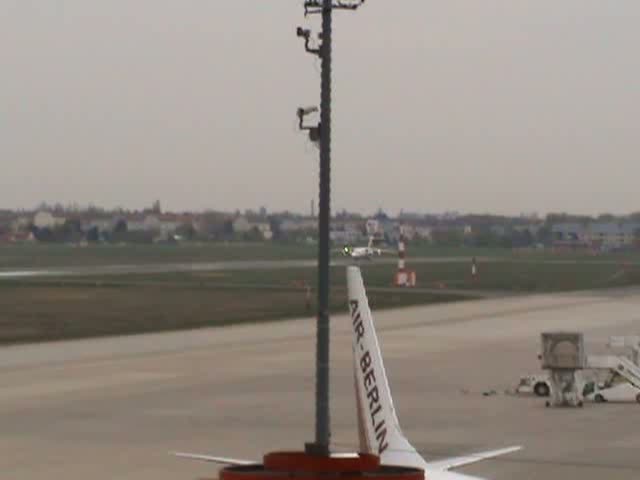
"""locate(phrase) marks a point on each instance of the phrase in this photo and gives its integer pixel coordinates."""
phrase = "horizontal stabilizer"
(454, 462)
(209, 458)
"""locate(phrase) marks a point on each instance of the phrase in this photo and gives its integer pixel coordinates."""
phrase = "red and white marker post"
(403, 277)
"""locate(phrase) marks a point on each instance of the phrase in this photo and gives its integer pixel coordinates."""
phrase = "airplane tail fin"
(378, 425)
(370, 244)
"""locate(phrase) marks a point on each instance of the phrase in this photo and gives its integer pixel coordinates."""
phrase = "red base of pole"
(303, 466)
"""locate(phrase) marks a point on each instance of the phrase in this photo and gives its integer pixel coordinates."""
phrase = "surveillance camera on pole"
(314, 130)
(303, 112)
(306, 34)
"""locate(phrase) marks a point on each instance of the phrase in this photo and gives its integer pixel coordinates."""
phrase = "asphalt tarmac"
(225, 265)
(238, 265)
(113, 408)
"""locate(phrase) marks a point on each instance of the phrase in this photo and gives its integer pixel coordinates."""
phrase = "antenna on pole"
(320, 134)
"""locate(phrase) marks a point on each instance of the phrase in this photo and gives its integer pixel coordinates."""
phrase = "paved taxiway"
(225, 265)
(113, 408)
(238, 265)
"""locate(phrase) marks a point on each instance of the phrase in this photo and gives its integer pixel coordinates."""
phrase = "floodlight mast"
(321, 134)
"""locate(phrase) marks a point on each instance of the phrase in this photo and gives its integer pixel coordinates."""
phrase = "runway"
(113, 408)
(239, 265)
(229, 265)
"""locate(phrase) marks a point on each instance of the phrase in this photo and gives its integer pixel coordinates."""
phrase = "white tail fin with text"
(380, 431)
(378, 424)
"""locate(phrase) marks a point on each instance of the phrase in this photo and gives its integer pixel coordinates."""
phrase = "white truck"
(539, 384)
(617, 389)
(536, 383)
(623, 383)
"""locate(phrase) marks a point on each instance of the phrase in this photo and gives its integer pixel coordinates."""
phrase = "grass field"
(48, 308)
(43, 256)
(62, 310)
(48, 256)
(507, 275)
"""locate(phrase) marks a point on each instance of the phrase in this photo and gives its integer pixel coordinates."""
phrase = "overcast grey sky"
(470, 105)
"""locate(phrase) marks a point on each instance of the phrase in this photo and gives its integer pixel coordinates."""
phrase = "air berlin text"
(369, 379)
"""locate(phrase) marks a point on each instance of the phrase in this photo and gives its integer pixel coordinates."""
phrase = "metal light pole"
(322, 135)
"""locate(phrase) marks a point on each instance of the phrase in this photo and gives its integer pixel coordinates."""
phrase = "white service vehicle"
(623, 384)
(615, 389)
(536, 383)
(539, 384)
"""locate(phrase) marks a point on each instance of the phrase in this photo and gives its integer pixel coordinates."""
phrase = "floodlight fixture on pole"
(306, 34)
(322, 135)
(312, 7)
(314, 130)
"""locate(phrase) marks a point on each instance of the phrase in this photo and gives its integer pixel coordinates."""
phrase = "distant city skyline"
(484, 107)
(44, 205)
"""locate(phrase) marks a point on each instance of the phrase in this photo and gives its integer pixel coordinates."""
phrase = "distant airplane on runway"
(379, 428)
(364, 253)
